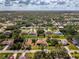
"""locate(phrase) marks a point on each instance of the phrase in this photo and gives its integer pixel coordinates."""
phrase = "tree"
(40, 32)
(16, 46)
(55, 53)
(40, 55)
(34, 41)
(69, 30)
(2, 36)
(59, 53)
(16, 33)
(52, 42)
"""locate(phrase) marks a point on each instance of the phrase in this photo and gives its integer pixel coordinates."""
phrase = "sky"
(54, 5)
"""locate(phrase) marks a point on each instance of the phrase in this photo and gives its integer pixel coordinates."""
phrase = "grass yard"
(18, 55)
(30, 55)
(36, 48)
(31, 36)
(5, 55)
(58, 36)
(72, 47)
(39, 48)
(76, 55)
(50, 48)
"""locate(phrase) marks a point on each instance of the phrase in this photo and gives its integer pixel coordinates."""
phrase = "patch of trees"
(40, 32)
(17, 44)
(52, 42)
(69, 30)
(57, 53)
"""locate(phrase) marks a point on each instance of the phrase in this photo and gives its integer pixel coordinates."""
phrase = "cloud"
(41, 5)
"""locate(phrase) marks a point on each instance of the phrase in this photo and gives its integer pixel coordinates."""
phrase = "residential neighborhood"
(37, 35)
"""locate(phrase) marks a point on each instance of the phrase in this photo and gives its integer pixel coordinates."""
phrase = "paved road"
(21, 51)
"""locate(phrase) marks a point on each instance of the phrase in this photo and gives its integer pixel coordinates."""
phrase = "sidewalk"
(21, 51)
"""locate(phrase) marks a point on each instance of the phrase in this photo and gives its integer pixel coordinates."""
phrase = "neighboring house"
(48, 33)
(33, 33)
(39, 42)
(74, 42)
(64, 42)
(28, 42)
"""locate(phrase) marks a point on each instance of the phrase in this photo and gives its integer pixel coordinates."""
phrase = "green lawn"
(62, 37)
(76, 55)
(36, 48)
(50, 48)
(5, 55)
(58, 36)
(39, 48)
(72, 47)
(31, 36)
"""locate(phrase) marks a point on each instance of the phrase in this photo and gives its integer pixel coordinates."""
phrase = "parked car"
(74, 42)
